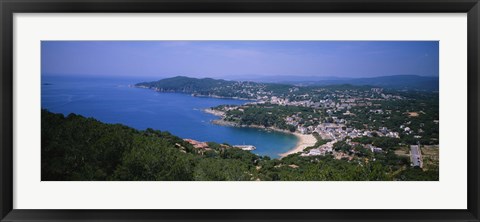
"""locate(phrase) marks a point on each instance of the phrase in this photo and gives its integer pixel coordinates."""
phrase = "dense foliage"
(269, 115)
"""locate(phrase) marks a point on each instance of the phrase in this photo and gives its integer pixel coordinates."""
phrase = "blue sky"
(231, 59)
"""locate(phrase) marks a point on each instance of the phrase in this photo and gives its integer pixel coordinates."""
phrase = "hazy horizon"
(240, 59)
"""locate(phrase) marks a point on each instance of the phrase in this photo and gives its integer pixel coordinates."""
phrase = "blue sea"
(112, 100)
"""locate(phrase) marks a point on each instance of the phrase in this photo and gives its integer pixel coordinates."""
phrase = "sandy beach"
(304, 141)
(214, 112)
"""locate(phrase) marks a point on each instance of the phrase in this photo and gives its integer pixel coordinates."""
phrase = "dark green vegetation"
(82, 149)
(185, 84)
(270, 115)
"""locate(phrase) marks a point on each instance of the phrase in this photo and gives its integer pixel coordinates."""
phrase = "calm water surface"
(111, 100)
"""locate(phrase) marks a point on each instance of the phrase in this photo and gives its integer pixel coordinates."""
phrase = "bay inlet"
(111, 100)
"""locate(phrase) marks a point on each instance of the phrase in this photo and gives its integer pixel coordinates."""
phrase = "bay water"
(114, 100)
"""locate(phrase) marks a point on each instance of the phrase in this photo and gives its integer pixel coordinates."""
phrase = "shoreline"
(214, 112)
(304, 140)
(221, 97)
(192, 94)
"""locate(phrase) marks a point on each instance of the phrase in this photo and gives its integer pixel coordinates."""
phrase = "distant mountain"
(407, 82)
(286, 78)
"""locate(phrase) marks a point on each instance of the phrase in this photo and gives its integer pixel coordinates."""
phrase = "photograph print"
(240, 110)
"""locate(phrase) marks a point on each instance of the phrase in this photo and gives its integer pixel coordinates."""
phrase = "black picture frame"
(9, 7)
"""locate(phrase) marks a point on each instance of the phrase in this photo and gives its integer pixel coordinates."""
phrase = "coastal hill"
(205, 86)
(185, 84)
